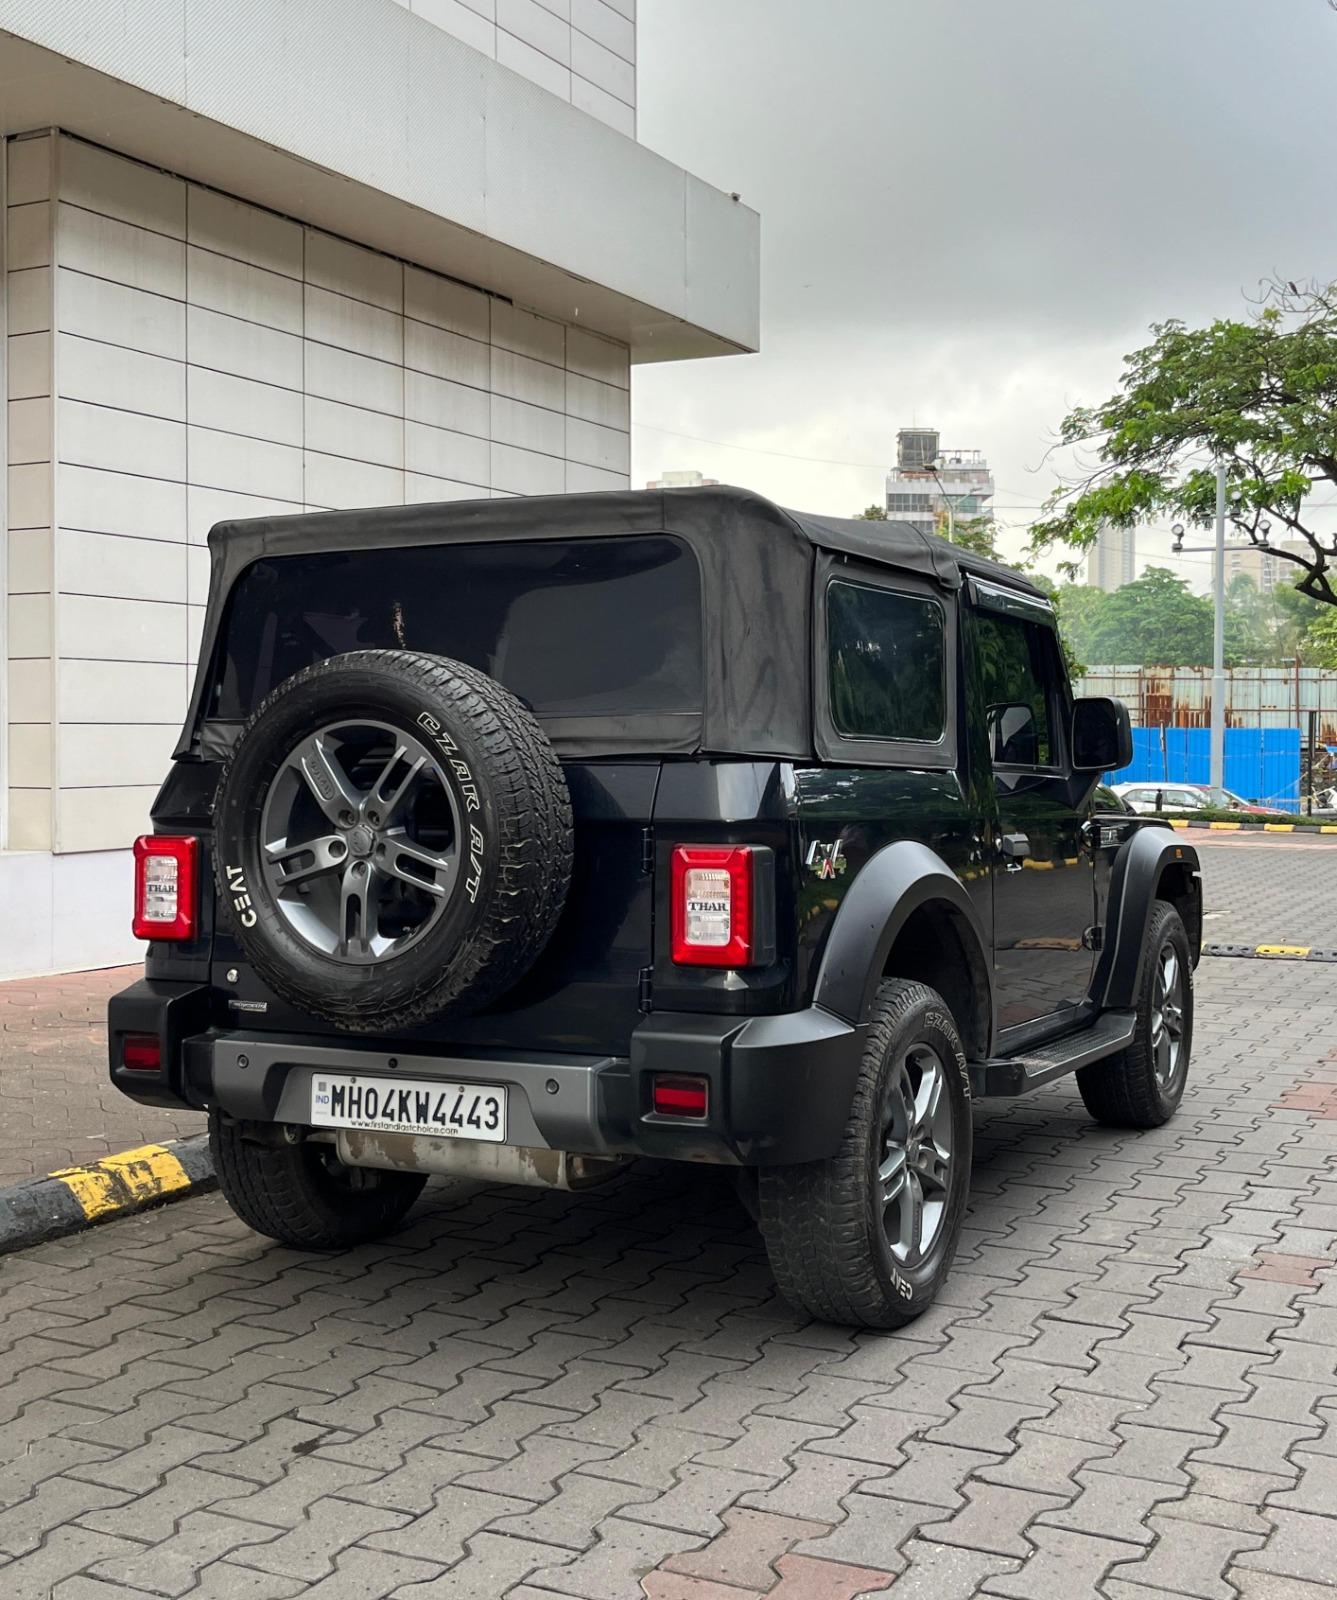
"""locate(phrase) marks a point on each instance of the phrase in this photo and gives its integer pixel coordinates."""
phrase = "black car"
(515, 839)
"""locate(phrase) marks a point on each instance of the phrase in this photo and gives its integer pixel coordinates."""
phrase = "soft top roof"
(756, 559)
(732, 513)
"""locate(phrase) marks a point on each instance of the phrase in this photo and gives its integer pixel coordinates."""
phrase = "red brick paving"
(662, 1585)
(1299, 1270)
(57, 1107)
(1316, 1097)
(745, 1554)
(807, 1578)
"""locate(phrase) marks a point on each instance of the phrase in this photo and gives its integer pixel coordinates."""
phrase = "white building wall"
(583, 51)
(177, 357)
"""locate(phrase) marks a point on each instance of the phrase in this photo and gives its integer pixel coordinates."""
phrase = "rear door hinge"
(645, 988)
(1094, 938)
(647, 850)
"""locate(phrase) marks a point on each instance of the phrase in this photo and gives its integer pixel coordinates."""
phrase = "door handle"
(1016, 848)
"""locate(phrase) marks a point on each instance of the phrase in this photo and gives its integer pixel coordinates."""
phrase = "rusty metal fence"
(1260, 699)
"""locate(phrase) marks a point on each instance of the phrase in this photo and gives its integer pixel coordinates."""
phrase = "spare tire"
(393, 839)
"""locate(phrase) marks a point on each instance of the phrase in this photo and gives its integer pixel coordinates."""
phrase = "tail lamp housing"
(166, 886)
(141, 1052)
(680, 1095)
(722, 905)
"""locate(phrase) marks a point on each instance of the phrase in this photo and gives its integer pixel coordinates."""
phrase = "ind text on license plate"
(409, 1105)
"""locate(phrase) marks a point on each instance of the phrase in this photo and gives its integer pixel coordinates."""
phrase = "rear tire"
(842, 1234)
(302, 1195)
(1142, 1086)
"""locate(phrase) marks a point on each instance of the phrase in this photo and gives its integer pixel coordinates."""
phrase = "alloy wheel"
(359, 841)
(914, 1172)
(1167, 1016)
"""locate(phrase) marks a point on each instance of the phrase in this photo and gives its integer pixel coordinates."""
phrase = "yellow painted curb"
(1178, 822)
(1278, 827)
(1224, 827)
(128, 1180)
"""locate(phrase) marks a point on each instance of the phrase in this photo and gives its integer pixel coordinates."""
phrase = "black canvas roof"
(756, 559)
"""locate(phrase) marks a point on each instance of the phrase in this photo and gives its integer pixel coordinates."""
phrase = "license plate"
(409, 1105)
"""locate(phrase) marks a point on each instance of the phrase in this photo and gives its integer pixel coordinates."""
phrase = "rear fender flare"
(898, 880)
(1135, 877)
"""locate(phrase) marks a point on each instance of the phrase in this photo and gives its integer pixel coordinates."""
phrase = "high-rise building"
(928, 481)
(682, 480)
(1267, 568)
(1112, 559)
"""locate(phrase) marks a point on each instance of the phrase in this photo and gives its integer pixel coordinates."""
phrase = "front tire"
(867, 1237)
(1142, 1086)
(302, 1195)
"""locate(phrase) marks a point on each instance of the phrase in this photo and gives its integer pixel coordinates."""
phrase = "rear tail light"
(712, 922)
(165, 887)
(141, 1052)
(680, 1097)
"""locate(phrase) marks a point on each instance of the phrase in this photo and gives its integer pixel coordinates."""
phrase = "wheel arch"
(907, 915)
(1153, 864)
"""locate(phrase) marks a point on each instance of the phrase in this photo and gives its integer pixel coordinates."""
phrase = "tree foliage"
(1258, 395)
(1157, 621)
(871, 514)
(977, 534)
(1322, 641)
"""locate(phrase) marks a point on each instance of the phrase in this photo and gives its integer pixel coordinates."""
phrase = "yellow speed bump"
(1283, 949)
(125, 1182)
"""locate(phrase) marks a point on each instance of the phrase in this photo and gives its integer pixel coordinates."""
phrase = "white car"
(1149, 798)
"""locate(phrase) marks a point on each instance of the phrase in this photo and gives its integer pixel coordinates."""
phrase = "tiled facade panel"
(30, 574)
(177, 357)
(583, 51)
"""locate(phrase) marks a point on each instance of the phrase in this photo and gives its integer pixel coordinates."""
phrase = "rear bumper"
(780, 1087)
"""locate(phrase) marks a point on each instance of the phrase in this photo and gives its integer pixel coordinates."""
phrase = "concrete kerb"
(1302, 828)
(82, 1197)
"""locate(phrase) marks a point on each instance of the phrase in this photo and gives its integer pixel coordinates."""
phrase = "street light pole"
(1218, 735)
(948, 500)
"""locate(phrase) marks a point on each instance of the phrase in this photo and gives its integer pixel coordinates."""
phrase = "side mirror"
(1102, 735)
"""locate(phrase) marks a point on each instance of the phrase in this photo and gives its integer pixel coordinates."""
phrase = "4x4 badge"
(826, 860)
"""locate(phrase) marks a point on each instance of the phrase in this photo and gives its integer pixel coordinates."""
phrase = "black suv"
(518, 838)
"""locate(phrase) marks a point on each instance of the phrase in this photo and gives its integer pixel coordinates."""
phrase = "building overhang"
(358, 117)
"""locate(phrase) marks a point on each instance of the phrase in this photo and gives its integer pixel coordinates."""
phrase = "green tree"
(1079, 606)
(1259, 396)
(1250, 634)
(975, 534)
(871, 514)
(1321, 643)
(1153, 621)
(1294, 615)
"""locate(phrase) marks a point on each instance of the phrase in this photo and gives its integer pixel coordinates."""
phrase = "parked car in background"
(1146, 799)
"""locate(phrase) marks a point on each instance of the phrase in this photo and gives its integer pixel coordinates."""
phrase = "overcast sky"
(971, 209)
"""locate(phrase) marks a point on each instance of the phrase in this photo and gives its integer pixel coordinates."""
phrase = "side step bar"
(1005, 1076)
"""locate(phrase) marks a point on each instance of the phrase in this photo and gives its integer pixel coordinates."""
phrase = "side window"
(887, 664)
(1016, 670)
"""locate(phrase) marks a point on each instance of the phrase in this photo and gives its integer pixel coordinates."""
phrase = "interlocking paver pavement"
(1127, 1391)
(57, 1108)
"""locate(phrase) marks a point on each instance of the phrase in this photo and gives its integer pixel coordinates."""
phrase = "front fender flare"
(896, 882)
(1134, 878)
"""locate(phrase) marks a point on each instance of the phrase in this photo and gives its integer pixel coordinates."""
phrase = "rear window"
(574, 627)
(887, 665)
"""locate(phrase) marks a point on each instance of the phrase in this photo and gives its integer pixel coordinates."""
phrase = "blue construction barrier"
(1262, 764)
